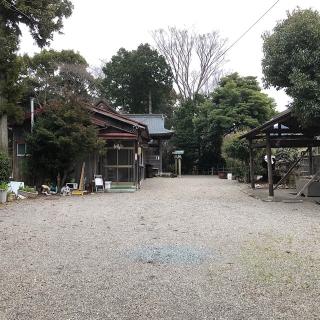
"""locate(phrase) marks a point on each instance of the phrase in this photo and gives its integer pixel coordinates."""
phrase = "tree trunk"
(4, 133)
(150, 102)
(59, 185)
(64, 179)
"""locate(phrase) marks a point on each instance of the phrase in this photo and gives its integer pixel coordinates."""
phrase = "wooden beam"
(160, 155)
(314, 177)
(290, 169)
(284, 143)
(270, 174)
(251, 165)
(310, 161)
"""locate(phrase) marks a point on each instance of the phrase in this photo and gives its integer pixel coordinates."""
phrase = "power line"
(249, 29)
(14, 8)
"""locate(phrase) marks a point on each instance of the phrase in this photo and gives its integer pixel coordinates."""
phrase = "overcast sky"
(98, 28)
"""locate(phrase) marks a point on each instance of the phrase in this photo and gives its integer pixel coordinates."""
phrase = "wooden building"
(158, 134)
(122, 160)
(282, 131)
(126, 145)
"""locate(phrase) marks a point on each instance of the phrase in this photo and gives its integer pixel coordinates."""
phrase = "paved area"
(190, 248)
(280, 195)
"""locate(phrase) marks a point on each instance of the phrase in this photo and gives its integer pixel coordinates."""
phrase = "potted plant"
(28, 192)
(3, 192)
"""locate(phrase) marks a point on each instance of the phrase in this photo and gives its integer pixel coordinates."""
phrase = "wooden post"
(310, 161)
(251, 165)
(290, 169)
(81, 182)
(179, 167)
(269, 159)
(14, 154)
(135, 165)
(160, 155)
(176, 165)
(4, 133)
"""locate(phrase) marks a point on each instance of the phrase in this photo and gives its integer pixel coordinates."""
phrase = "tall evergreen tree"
(134, 79)
(43, 18)
(236, 104)
(292, 62)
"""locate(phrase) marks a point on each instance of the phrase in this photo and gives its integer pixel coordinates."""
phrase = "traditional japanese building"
(158, 134)
(126, 145)
(121, 160)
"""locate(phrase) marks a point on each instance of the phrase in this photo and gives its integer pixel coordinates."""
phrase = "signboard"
(178, 152)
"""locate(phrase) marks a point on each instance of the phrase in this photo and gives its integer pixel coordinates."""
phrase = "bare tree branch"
(196, 60)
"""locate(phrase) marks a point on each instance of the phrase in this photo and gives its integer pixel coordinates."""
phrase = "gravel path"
(191, 248)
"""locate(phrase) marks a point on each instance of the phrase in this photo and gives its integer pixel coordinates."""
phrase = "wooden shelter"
(282, 131)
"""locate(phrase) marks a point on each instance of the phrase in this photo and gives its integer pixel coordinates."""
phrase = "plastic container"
(107, 185)
(3, 196)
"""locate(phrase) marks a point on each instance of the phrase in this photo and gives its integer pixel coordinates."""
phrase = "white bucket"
(3, 196)
(229, 176)
(107, 185)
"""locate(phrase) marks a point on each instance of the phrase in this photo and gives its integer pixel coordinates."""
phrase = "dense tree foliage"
(236, 153)
(62, 135)
(131, 77)
(4, 167)
(185, 137)
(63, 132)
(236, 104)
(51, 75)
(43, 18)
(292, 62)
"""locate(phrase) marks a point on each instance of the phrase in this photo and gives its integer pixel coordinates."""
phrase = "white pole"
(32, 112)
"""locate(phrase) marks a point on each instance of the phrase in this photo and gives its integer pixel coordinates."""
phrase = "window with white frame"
(21, 149)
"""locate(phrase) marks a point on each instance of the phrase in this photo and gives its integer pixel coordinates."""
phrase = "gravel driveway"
(191, 248)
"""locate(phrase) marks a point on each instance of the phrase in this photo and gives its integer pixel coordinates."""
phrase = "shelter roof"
(279, 119)
(284, 130)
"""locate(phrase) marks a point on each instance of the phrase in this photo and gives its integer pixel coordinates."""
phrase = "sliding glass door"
(119, 165)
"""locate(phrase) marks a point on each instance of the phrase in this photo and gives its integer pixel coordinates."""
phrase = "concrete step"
(121, 190)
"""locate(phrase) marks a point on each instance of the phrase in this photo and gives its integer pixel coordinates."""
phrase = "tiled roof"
(155, 123)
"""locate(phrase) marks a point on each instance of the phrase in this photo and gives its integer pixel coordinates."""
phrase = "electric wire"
(249, 29)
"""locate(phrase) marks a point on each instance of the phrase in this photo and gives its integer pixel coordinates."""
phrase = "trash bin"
(149, 171)
(107, 185)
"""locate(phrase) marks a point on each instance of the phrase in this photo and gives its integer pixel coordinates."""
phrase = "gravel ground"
(190, 248)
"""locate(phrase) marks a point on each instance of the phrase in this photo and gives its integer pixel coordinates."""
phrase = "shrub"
(4, 186)
(27, 189)
(4, 167)
(235, 152)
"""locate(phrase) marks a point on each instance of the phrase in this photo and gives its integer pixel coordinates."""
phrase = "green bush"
(4, 167)
(235, 152)
(4, 186)
(27, 189)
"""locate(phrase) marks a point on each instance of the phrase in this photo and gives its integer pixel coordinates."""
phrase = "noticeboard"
(178, 152)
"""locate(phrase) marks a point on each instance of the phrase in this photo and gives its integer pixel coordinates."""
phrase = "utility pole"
(150, 102)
